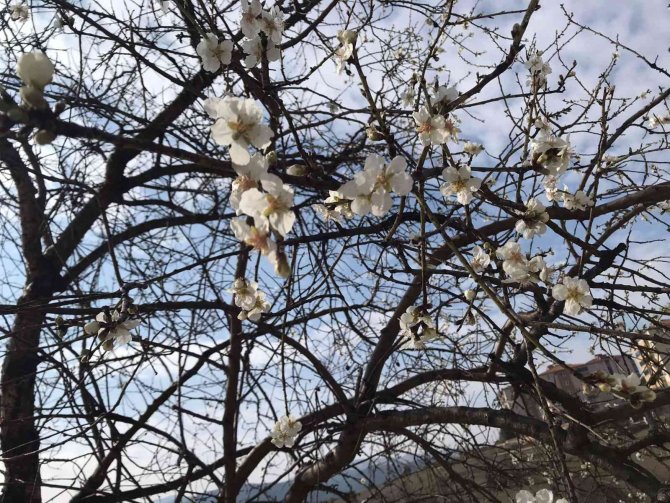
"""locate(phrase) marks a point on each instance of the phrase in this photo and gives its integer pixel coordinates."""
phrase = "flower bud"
(296, 170)
(373, 133)
(33, 98)
(271, 157)
(347, 36)
(469, 295)
(282, 267)
(59, 321)
(17, 115)
(35, 69)
(44, 137)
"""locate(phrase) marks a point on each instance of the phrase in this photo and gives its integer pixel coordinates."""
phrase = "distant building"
(654, 357)
(564, 379)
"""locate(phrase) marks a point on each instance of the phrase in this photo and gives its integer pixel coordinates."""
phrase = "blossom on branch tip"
(542, 496)
(579, 201)
(460, 182)
(552, 152)
(335, 207)
(19, 12)
(112, 329)
(249, 23)
(271, 208)
(370, 190)
(538, 69)
(480, 259)
(250, 235)
(417, 328)
(249, 299)
(248, 177)
(533, 220)
(256, 49)
(238, 125)
(35, 69)
(272, 24)
(347, 39)
(515, 263)
(443, 94)
(213, 53)
(472, 149)
(285, 431)
(576, 294)
(434, 129)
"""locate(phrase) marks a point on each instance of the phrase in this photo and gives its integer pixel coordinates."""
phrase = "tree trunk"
(18, 436)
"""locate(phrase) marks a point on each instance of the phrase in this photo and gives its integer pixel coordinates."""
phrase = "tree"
(247, 243)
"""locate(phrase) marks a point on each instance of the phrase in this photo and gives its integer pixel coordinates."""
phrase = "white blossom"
(213, 53)
(550, 189)
(272, 24)
(245, 293)
(335, 207)
(163, 5)
(347, 39)
(533, 221)
(115, 328)
(444, 94)
(248, 177)
(285, 431)
(370, 190)
(417, 328)
(469, 295)
(460, 182)
(271, 208)
(35, 69)
(579, 201)
(552, 152)
(659, 120)
(538, 69)
(238, 125)
(19, 12)
(542, 496)
(480, 259)
(250, 24)
(254, 50)
(408, 97)
(472, 149)
(252, 236)
(434, 129)
(631, 388)
(515, 263)
(259, 306)
(576, 294)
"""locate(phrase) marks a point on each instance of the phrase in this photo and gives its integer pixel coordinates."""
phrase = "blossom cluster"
(335, 207)
(629, 387)
(435, 129)
(370, 190)
(521, 269)
(285, 431)
(541, 496)
(249, 299)
(538, 70)
(255, 22)
(417, 328)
